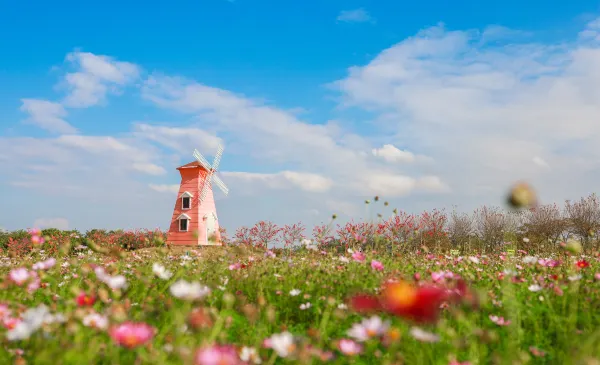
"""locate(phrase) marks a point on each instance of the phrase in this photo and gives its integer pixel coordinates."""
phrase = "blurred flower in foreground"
(189, 291)
(217, 355)
(349, 347)
(132, 334)
(161, 271)
(420, 304)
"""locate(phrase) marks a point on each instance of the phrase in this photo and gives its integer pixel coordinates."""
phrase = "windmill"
(194, 220)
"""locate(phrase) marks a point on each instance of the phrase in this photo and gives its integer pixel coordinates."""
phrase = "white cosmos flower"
(95, 320)
(368, 328)
(31, 321)
(535, 288)
(424, 336)
(161, 271)
(249, 354)
(283, 343)
(189, 291)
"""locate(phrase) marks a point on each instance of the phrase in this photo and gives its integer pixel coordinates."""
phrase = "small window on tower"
(183, 225)
(186, 202)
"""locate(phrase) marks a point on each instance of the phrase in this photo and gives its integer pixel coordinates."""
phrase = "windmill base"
(192, 244)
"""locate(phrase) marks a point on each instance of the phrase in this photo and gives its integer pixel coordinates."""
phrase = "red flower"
(582, 264)
(420, 304)
(84, 300)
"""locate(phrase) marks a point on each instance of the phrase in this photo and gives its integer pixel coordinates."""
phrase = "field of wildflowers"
(493, 287)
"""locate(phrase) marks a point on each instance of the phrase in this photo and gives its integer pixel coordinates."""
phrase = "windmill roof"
(191, 165)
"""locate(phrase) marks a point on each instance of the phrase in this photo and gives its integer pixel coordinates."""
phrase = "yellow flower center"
(400, 295)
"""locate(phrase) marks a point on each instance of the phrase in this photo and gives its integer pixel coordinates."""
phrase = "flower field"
(427, 289)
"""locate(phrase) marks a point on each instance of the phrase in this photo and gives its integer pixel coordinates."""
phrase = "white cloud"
(540, 162)
(355, 16)
(286, 179)
(46, 115)
(173, 188)
(480, 108)
(183, 140)
(391, 153)
(96, 76)
(58, 223)
(149, 168)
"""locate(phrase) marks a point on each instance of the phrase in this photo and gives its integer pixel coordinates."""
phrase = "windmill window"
(184, 222)
(183, 225)
(186, 200)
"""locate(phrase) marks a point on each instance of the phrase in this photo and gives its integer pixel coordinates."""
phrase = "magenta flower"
(376, 265)
(132, 334)
(217, 355)
(358, 256)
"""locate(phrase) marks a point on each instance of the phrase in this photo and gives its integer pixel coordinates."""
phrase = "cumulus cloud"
(96, 76)
(47, 115)
(481, 109)
(173, 188)
(285, 179)
(180, 139)
(391, 153)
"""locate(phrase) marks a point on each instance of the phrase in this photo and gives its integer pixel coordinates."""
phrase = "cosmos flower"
(132, 334)
(161, 271)
(349, 347)
(217, 355)
(500, 321)
(421, 335)
(189, 291)
(420, 304)
(19, 275)
(282, 343)
(376, 265)
(250, 355)
(368, 328)
(95, 320)
(358, 256)
(44, 265)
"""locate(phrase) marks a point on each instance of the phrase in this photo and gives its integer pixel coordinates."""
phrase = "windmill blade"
(220, 184)
(202, 160)
(217, 159)
(206, 186)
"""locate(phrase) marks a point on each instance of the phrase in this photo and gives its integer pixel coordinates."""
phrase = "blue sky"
(318, 104)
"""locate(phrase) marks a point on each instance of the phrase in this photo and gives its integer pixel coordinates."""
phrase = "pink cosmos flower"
(19, 275)
(35, 283)
(235, 266)
(376, 265)
(597, 276)
(349, 347)
(10, 322)
(132, 334)
(217, 355)
(44, 265)
(4, 310)
(37, 240)
(500, 321)
(358, 256)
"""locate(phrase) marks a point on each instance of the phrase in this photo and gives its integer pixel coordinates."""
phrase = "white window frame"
(186, 195)
(183, 217)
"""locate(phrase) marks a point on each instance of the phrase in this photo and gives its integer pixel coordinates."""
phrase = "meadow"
(492, 287)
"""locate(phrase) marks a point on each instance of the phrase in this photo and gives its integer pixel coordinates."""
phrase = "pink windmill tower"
(194, 220)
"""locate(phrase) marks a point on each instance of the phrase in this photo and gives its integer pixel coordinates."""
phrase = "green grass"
(565, 327)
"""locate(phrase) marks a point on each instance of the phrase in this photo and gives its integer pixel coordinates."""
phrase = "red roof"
(191, 165)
